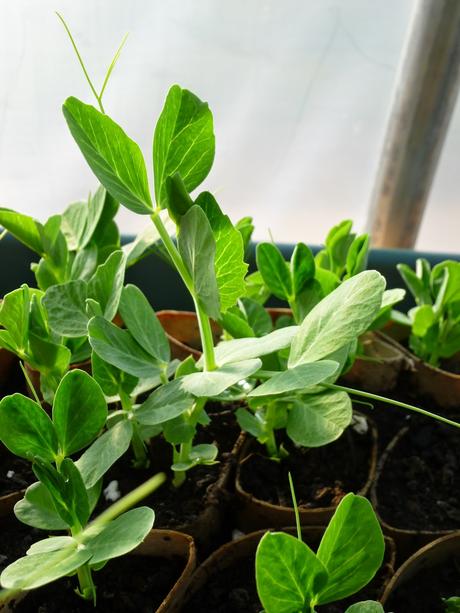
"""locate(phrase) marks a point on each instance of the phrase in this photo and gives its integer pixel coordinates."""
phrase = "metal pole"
(426, 91)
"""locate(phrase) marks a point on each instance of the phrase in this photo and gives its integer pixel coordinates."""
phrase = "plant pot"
(233, 563)
(380, 372)
(426, 382)
(408, 493)
(183, 333)
(416, 586)
(163, 544)
(255, 513)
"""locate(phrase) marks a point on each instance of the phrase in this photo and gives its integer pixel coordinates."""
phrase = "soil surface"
(15, 473)
(425, 591)
(235, 591)
(419, 487)
(322, 476)
(131, 583)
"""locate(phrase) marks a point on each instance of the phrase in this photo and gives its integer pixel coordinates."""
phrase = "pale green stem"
(396, 403)
(141, 459)
(270, 443)
(29, 383)
(85, 579)
(203, 320)
(296, 507)
(3, 234)
(185, 448)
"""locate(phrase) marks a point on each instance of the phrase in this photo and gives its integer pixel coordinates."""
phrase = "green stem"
(179, 457)
(29, 383)
(396, 403)
(296, 507)
(85, 579)
(141, 459)
(270, 443)
(207, 341)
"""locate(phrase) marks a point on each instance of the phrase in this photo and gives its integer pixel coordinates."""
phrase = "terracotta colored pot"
(183, 333)
(433, 554)
(256, 514)
(163, 544)
(407, 541)
(245, 547)
(380, 373)
(426, 381)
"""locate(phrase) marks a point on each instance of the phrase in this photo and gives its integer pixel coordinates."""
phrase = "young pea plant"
(435, 320)
(67, 492)
(292, 578)
(302, 398)
(452, 604)
(114, 533)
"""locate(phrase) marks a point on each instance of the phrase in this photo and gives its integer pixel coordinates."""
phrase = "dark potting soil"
(419, 487)
(15, 540)
(322, 476)
(15, 473)
(132, 583)
(424, 592)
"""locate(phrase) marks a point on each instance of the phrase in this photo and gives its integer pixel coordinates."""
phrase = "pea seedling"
(435, 320)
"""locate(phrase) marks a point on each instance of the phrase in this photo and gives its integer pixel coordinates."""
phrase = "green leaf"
(73, 224)
(230, 267)
(300, 377)
(110, 378)
(452, 604)
(25, 428)
(318, 419)
(357, 255)
(183, 141)
(214, 382)
(236, 324)
(288, 573)
(165, 403)
(452, 291)
(327, 280)
(14, 315)
(106, 284)
(274, 270)
(177, 197)
(104, 452)
(117, 347)
(249, 423)
(351, 549)
(143, 324)
(339, 318)
(52, 543)
(85, 263)
(147, 240)
(366, 606)
(423, 317)
(338, 242)
(258, 318)
(120, 536)
(37, 509)
(79, 411)
(75, 492)
(114, 158)
(246, 227)
(99, 205)
(256, 288)
(24, 228)
(414, 284)
(39, 569)
(59, 490)
(65, 305)
(302, 268)
(197, 248)
(248, 348)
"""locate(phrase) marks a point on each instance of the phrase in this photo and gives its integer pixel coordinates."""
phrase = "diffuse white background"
(300, 92)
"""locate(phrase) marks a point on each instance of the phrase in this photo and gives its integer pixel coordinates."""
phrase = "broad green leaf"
(183, 141)
(117, 347)
(75, 492)
(366, 606)
(256, 288)
(248, 348)
(318, 419)
(25, 428)
(357, 255)
(98, 203)
(199, 454)
(258, 318)
(61, 492)
(106, 284)
(85, 263)
(73, 224)
(197, 248)
(414, 284)
(66, 308)
(104, 452)
(178, 431)
(339, 318)
(52, 543)
(110, 378)
(114, 158)
(327, 280)
(249, 423)
(302, 268)
(300, 377)
(236, 324)
(230, 266)
(24, 228)
(79, 411)
(288, 573)
(177, 197)
(143, 324)
(120, 536)
(452, 291)
(14, 315)
(214, 382)
(39, 569)
(452, 604)
(338, 242)
(423, 317)
(274, 270)
(48, 357)
(37, 509)
(351, 549)
(165, 403)
(246, 227)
